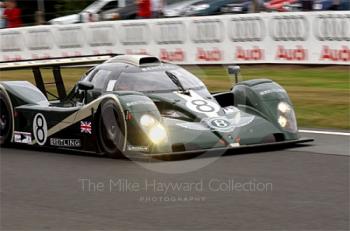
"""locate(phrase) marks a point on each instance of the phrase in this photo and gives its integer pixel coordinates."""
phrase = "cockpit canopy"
(142, 74)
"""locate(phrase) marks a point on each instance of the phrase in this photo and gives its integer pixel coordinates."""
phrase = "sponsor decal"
(224, 124)
(85, 127)
(138, 148)
(170, 32)
(9, 58)
(342, 54)
(136, 52)
(198, 104)
(289, 28)
(22, 137)
(69, 37)
(139, 102)
(11, 41)
(101, 35)
(247, 29)
(39, 39)
(233, 145)
(40, 129)
(134, 34)
(230, 110)
(207, 31)
(213, 54)
(220, 124)
(71, 143)
(193, 126)
(71, 53)
(177, 55)
(278, 90)
(250, 54)
(332, 27)
(293, 54)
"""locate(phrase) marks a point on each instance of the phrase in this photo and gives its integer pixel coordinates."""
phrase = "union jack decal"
(85, 127)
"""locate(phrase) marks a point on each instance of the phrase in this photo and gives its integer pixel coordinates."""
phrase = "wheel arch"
(115, 98)
(4, 91)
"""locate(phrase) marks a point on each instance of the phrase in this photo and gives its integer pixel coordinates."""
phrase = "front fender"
(261, 97)
(135, 105)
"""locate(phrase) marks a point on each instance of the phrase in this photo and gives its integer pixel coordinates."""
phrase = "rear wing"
(55, 64)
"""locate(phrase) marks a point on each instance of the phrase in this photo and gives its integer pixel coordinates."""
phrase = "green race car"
(137, 105)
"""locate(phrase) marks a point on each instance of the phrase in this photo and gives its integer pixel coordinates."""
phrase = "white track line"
(326, 132)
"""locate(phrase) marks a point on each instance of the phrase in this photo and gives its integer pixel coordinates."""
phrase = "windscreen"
(156, 81)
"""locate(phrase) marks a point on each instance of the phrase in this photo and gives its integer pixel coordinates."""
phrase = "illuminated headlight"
(286, 117)
(157, 134)
(282, 121)
(147, 121)
(154, 130)
(284, 107)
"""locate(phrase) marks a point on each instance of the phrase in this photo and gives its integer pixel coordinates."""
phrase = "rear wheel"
(111, 129)
(5, 120)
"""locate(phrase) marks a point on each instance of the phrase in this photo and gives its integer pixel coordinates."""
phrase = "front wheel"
(5, 120)
(111, 129)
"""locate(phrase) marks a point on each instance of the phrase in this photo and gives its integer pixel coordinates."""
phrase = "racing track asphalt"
(308, 189)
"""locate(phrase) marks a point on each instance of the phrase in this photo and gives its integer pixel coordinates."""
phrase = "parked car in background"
(178, 8)
(207, 7)
(242, 7)
(238, 7)
(129, 11)
(328, 5)
(90, 13)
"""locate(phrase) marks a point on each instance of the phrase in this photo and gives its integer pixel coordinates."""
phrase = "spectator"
(278, 5)
(12, 14)
(2, 20)
(144, 8)
(156, 7)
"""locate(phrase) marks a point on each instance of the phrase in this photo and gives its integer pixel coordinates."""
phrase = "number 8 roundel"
(203, 106)
(40, 129)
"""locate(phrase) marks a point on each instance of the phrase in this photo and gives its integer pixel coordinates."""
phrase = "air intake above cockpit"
(137, 60)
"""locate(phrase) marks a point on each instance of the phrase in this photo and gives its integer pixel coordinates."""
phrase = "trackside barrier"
(295, 38)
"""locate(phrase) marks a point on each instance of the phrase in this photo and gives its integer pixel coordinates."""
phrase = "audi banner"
(295, 38)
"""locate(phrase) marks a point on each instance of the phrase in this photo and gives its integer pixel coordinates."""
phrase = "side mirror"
(85, 85)
(234, 70)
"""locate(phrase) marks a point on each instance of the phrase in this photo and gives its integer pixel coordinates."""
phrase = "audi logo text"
(207, 31)
(135, 34)
(289, 28)
(101, 36)
(39, 40)
(11, 41)
(332, 27)
(170, 33)
(250, 29)
(69, 37)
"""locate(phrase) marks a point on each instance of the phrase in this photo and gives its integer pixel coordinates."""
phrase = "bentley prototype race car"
(133, 104)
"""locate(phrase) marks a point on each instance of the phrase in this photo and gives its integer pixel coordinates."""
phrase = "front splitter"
(213, 151)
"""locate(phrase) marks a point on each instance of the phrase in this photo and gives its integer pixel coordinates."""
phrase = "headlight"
(157, 134)
(282, 121)
(286, 117)
(147, 121)
(284, 107)
(154, 130)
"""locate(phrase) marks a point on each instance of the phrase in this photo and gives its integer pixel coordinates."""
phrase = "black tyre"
(5, 120)
(111, 129)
